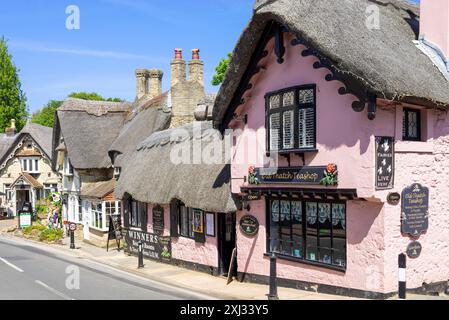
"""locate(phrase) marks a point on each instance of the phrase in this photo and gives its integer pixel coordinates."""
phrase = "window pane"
(275, 134)
(36, 165)
(339, 233)
(306, 128)
(289, 99)
(274, 226)
(289, 131)
(25, 165)
(306, 96)
(275, 102)
(312, 226)
(412, 124)
(184, 222)
(325, 233)
(285, 224)
(297, 233)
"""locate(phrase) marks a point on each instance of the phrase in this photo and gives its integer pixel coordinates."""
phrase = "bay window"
(291, 119)
(313, 231)
(96, 212)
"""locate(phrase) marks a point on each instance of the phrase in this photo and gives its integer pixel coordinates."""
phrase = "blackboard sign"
(115, 230)
(384, 163)
(249, 225)
(299, 175)
(414, 250)
(415, 209)
(154, 246)
(158, 220)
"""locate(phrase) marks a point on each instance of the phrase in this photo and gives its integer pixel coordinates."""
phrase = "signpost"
(249, 225)
(384, 163)
(415, 210)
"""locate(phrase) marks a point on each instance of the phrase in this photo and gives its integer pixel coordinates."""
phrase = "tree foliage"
(92, 96)
(220, 70)
(46, 116)
(12, 98)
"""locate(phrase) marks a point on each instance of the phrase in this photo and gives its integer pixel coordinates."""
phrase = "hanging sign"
(249, 225)
(154, 246)
(325, 175)
(384, 163)
(415, 210)
(414, 250)
(158, 220)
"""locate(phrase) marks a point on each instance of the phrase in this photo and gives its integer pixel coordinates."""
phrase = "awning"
(27, 179)
(303, 193)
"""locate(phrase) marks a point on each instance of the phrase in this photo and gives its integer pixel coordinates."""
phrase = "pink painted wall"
(346, 138)
(434, 23)
(187, 249)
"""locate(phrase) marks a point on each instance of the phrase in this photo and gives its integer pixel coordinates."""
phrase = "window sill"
(413, 147)
(308, 262)
(293, 151)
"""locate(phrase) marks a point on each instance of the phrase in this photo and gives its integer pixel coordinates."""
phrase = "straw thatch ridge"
(151, 176)
(88, 129)
(386, 61)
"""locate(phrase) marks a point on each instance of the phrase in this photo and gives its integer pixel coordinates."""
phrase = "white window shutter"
(275, 128)
(307, 128)
(289, 130)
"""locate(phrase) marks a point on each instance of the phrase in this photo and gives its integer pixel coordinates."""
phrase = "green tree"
(46, 116)
(92, 96)
(12, 98)
(220, 70)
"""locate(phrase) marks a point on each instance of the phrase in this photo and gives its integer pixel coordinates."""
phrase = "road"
(28, 272)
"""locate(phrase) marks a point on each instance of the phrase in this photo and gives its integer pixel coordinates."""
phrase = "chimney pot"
(178, 54)
(155, 77)
(142, 83)
(196, 54)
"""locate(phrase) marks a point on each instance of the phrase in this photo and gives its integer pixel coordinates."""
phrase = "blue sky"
(115, 38)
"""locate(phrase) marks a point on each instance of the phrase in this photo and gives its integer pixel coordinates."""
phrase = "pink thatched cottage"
(340, 144)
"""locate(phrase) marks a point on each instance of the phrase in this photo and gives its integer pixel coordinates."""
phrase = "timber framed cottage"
(26, 174)
(346, 168)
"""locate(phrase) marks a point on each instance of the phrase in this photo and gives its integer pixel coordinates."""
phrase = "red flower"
(251, 169)
(331, 168)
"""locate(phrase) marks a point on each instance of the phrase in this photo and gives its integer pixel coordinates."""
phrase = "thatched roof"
(97, 190)
(88, 129)
(386, 61)
(40, 134)
(151, 176)
(147, 117)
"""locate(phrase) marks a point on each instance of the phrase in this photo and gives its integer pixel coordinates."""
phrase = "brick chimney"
(178, 68)
(196, 68)
(186, 93)
(12, 130)
(141, 83)
(155, 77)
(434, 23)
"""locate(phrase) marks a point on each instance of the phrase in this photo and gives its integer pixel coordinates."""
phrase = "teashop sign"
(415, 210)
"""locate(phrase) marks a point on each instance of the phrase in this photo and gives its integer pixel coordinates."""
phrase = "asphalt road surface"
(31, 273)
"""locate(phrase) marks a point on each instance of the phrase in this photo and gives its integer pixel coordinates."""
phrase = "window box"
(291, 120)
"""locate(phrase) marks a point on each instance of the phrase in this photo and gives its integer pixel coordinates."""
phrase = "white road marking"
(11, 265)
(53, 290)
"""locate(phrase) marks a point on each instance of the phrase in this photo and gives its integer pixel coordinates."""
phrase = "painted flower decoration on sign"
(330, 175)
(252, 176)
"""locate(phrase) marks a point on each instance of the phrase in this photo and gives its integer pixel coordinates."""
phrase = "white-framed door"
(86, 219)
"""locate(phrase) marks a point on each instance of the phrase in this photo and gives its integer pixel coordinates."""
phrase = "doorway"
(226, 242)
(22, 196)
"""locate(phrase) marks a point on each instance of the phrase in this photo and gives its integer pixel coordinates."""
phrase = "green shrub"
(51, 235)
(34, 226)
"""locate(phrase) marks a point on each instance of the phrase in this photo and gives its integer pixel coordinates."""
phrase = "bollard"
(140, 255)
(402, 262)
(72, 239)
(273, 295)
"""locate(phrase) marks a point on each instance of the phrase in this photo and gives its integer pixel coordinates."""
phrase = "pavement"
(184, 279)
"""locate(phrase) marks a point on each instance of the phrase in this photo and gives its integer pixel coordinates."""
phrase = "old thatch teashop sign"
(325, 175)
(415, 210)
(384, 163)
(154, 246)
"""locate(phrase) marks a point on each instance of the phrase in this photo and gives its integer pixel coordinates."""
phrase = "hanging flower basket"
(252, 177)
